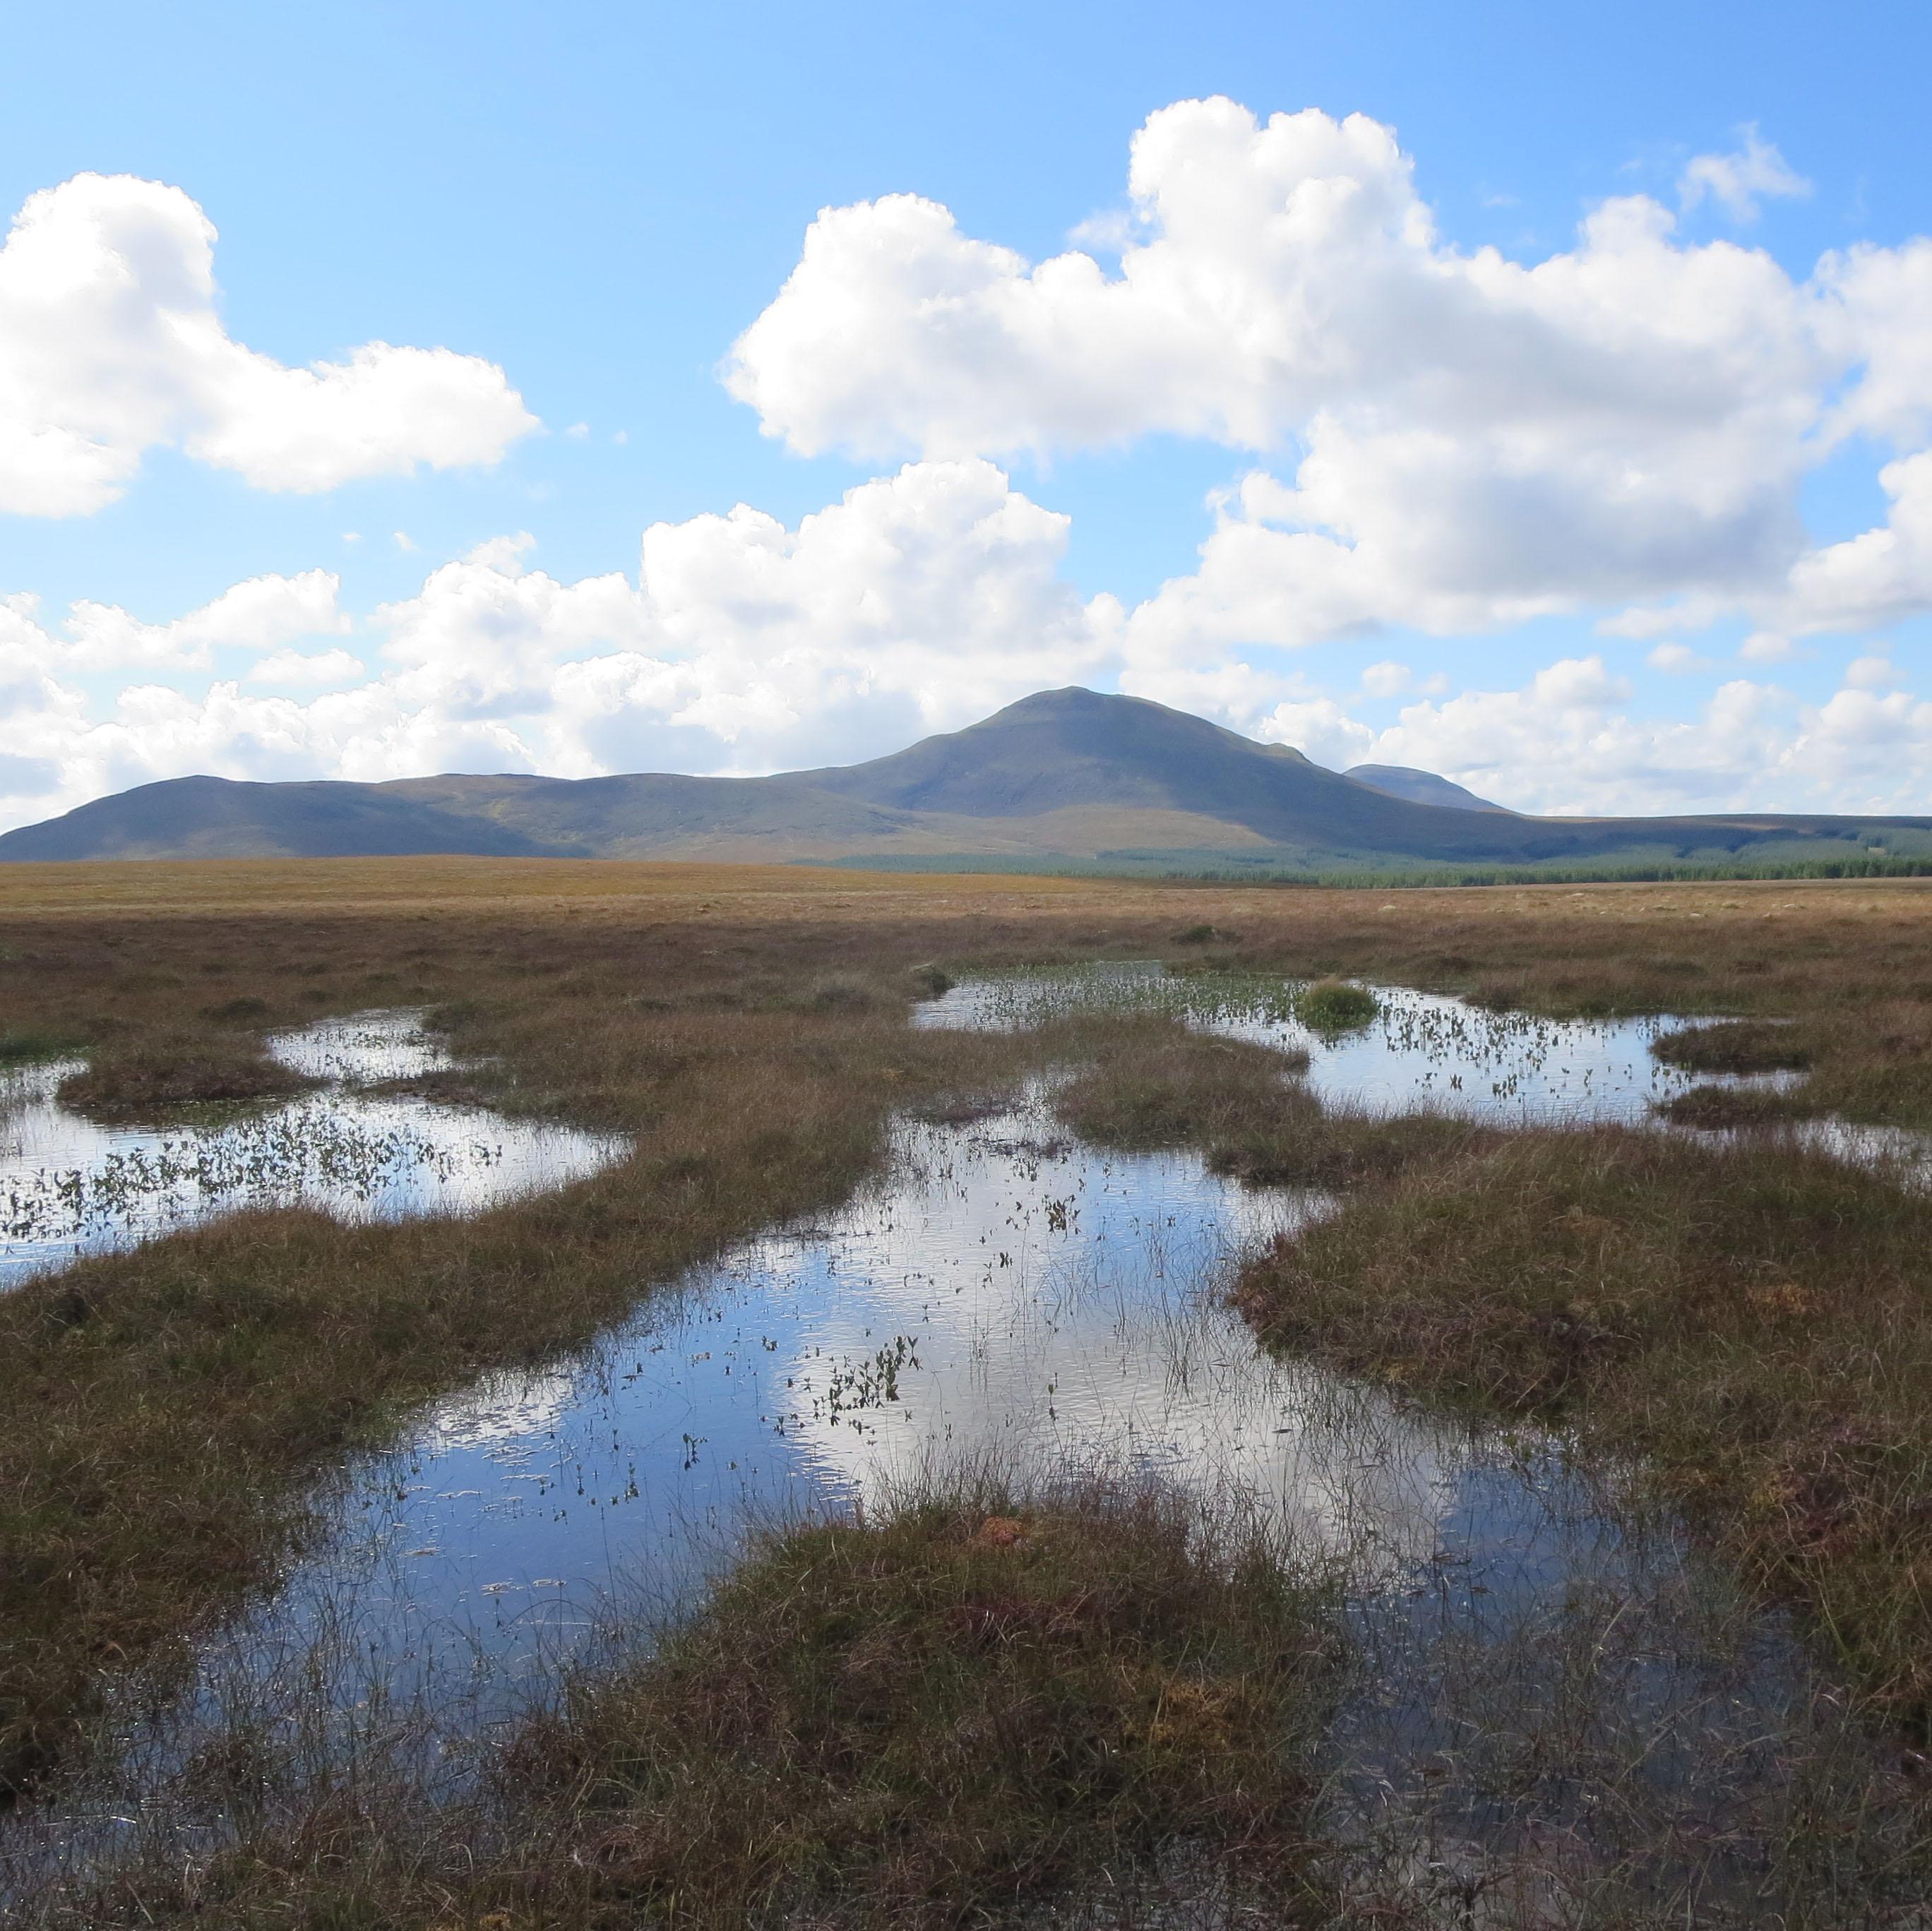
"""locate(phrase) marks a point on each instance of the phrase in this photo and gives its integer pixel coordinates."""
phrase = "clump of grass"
(246, 1007)
(944, 1714)
(970, 1707)
(930, 981)
(151, 1077)
(22, 1047)
(1202, 934)
(1752, 1325)
(1727, 1109)
(1496, 995)
(1153, 1084)
(1733, 1046)
(1334, 1006)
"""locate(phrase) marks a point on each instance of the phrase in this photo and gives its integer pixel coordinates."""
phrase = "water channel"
(1004, 1296)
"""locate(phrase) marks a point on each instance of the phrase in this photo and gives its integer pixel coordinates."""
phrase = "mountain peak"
(1071, 773)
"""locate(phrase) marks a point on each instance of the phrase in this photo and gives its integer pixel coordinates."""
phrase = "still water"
(1421, 1050)
(70, 1185)
(1004, 1296)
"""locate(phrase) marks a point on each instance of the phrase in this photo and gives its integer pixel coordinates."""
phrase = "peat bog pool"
(1546, 1693)
(70, 1185)
(1422, 1050)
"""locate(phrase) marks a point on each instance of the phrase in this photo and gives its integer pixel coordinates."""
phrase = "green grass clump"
(22, 1047)
(1334, 1005)
(1753, 1327)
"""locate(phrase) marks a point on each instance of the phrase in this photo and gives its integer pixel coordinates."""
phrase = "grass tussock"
(1334, 1005)
(926, 1720)
(1754, 1326)
(150, 1078)
(21, 1047)
(962, 1710)
(1733, 1046)
(1727, 1108)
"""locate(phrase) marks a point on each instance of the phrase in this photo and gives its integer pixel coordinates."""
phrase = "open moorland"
(1601, 1592)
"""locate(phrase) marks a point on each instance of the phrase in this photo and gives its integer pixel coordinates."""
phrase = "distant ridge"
(1074, 775)
(1419, 787)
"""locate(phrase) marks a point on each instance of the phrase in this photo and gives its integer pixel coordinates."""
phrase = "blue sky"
(597, 202)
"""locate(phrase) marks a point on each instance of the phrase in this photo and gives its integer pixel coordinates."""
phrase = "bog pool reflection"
(69, 1185)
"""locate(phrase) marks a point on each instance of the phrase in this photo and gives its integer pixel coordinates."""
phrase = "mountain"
(1069, 775)
(1419, 787)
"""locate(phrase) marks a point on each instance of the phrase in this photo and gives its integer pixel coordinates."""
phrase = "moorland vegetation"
(1745, 1325)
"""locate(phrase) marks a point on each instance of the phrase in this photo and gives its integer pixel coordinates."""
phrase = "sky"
(1541, 395)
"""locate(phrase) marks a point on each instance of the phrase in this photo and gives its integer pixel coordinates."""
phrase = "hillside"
(1069, 775)
(1419, 787)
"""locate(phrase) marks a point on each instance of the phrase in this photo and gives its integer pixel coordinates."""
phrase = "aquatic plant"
(1334, 1005)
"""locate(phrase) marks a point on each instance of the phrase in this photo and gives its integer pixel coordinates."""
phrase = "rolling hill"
(1071, 775)
(1419, 787)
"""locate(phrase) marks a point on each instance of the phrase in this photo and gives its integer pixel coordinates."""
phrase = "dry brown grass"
(972, 1709)
(1749, 1328)
(164, 1410)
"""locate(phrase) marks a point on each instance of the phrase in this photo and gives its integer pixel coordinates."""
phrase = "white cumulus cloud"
(260, 614)
(1449, 438)
(1739, 180)
(111, 344)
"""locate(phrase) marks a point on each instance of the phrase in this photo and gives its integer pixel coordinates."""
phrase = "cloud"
(1739, 180)
(259, 615)
(307, 667)
(1568, 742)
(1676, 660)
(1447, 439)
(1320, 728)
(918, 602)
(1875, 578)
(111, 345)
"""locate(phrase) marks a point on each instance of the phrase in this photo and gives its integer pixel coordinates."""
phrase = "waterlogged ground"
(1007, 1296)
(70, 1185)
(1427, 1051)
(1547, 1701)
(1422, 1050)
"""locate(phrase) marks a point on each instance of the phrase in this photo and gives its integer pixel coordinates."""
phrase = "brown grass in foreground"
(164, 1410)
(1750, 1328)
(977, 1706)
